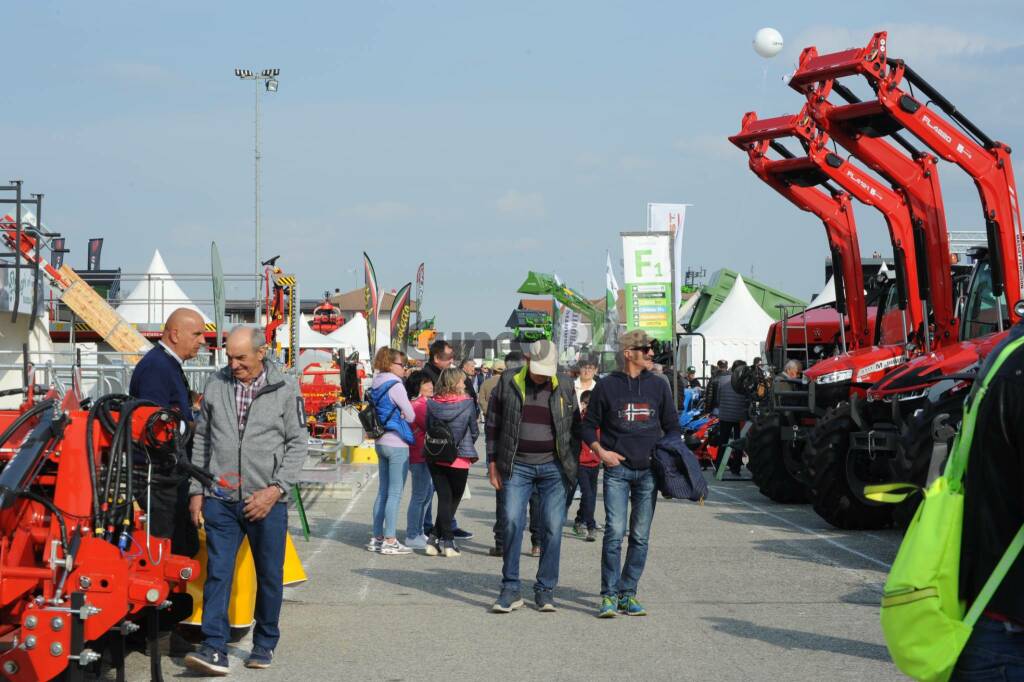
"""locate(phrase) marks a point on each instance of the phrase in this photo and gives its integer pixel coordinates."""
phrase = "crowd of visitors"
(547, 435)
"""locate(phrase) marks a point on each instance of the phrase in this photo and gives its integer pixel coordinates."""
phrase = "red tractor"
(777, 439)
(886, 434)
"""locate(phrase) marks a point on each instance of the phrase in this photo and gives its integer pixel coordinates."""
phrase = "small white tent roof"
(738, 316)
(352, 335)
(156, 297)
(826, 296)
(736, 331)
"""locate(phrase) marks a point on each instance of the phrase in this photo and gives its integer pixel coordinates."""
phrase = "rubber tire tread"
(916, 438)
(831, 494)
(764, 460)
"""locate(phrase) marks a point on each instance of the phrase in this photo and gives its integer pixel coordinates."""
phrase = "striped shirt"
(244, 395)
(536, 430)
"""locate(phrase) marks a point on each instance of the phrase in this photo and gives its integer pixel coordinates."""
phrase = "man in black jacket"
(533, 444)
(441, 356)
(632, 410)
(993, 513)
(159, 378)
(733, 409)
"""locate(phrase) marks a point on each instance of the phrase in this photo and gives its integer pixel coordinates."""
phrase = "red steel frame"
(988, 163)
(836, 213)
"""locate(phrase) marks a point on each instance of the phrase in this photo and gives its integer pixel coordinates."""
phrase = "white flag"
(611, 320)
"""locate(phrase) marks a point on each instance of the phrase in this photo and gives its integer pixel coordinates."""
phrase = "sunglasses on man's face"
(643, 349)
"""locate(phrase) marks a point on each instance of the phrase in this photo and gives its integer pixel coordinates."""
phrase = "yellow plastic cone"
(242, 605)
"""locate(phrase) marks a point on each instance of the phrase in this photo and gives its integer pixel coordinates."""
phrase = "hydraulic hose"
(23, 419)
(35, 497)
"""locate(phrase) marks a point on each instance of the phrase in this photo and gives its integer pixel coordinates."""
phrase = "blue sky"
(486, 139)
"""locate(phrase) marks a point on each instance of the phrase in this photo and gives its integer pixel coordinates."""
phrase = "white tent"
(736, 331)
(827, 296)
(352, 336)
(308, 337)
(156, 297)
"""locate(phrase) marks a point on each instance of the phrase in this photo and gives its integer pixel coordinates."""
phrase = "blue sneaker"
(630, 606)
(261, 657)
(460, 534)
(608, 608)
(508, 601)
(208, 661)
(544, 601)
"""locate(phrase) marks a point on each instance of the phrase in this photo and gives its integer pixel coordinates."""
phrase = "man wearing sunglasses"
(632, 409)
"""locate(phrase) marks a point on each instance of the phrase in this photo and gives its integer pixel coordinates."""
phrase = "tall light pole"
(269, 79)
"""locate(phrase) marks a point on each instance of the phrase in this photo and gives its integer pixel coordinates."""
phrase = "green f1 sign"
(643, 262)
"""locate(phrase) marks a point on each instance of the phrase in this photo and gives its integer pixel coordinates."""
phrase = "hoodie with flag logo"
(631, 415)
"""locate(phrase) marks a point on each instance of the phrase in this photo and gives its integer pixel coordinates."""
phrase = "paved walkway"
(739, 589)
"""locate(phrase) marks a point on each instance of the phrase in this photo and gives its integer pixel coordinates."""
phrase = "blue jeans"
(991, 653)
(392, 467)
(623, 486)
(550, 484)
(419, 500)
(226, 525)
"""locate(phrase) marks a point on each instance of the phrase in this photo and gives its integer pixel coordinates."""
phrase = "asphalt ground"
(737, 589)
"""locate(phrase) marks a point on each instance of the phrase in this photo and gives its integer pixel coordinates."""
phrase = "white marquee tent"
(352, 335)
(827, 295)
(155, 297)
(736, 331)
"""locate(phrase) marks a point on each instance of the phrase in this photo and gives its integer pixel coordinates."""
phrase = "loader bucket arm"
(917, 177)
(836, 213)
(960, 142)
(859, 184)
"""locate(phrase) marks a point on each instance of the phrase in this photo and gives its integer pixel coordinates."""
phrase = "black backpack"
(439, 444)
(369, 418)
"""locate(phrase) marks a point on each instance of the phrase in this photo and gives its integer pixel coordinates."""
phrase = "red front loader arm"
(821, 164)
(917, 176)
(985, 160)
(836, 213)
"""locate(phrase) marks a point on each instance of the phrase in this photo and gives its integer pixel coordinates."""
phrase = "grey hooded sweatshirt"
(272, 447)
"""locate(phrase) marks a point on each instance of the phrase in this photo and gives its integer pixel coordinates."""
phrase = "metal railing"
(101, 373)
(162, 293)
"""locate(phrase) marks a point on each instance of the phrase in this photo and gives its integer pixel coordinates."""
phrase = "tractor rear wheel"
(917, 441)
(828, 451)
(766, 461)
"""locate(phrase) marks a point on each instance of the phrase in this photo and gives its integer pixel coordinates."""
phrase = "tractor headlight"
(835, 377)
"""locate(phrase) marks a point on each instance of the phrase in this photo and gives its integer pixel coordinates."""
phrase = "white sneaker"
(394, 547)
(417, 542)
(374, 544)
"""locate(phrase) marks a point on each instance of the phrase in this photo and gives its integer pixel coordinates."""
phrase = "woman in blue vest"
(387, 395)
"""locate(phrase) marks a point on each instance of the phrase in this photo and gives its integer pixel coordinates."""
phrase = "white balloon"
(768, 42)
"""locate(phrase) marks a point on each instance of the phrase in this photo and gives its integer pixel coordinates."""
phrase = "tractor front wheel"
(767, 464)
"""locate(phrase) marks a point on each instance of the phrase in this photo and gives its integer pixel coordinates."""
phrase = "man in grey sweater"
(251, 432)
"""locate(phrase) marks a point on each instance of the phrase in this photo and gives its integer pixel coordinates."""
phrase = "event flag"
(400, 318)
(611, 324)
(219, 296)
(671, 218)
(419, 285)
(371, 297)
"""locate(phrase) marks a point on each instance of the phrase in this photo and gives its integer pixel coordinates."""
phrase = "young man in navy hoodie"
(633, 409)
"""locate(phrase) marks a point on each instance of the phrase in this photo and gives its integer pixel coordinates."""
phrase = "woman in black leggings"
(453, 406)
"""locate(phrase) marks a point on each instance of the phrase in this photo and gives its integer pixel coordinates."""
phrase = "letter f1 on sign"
(646, 258)
(644, 264)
